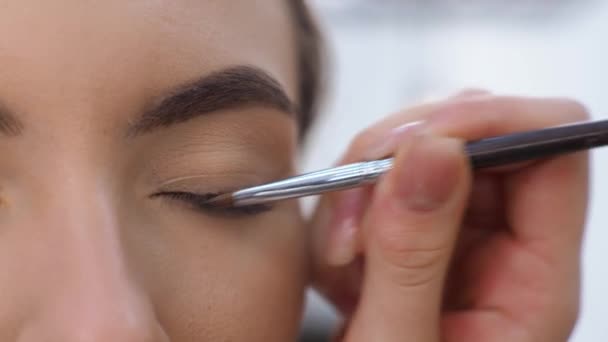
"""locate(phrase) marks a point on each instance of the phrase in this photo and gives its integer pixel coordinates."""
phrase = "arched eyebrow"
(9, 124)
(231, 88)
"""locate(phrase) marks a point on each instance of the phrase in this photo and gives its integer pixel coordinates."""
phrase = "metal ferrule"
(340, 178)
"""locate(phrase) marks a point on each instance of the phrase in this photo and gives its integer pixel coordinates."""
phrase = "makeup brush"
(484, 153)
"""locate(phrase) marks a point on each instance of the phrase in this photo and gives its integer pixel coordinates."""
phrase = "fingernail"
(427, 174)
(342, 246)
(469, 93)
(388, 145)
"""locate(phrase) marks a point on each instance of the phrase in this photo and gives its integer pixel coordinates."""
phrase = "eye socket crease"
(234, 87)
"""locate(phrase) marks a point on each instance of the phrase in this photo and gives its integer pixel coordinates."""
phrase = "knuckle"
(412, 276)
(416, 256)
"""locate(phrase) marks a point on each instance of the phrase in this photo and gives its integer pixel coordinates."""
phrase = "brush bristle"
(221, 201)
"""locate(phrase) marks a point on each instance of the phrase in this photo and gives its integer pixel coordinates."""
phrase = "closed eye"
(199, 202)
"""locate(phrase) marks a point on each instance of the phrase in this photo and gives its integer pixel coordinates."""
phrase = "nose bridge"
(86, 225)
(92, 295)
(81, 216)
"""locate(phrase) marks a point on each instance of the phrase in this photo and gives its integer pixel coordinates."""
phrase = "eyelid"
(205, 184)
(203, 176)
(214, 167)
(194, 189)
(198, 201)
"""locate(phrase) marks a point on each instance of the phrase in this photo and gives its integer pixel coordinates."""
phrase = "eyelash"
(199, 202)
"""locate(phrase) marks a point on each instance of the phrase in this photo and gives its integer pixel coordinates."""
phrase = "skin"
(90, 252)
(86, 254)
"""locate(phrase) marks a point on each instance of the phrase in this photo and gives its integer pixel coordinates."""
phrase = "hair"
(309, 47)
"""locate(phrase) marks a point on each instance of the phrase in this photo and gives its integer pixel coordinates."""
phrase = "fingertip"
(427, 174)
(469, 93)
(393, 139)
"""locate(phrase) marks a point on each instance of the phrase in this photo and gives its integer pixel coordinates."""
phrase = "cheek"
(212, 277)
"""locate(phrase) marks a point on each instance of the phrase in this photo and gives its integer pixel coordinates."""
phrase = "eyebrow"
(9, 124)
(231, 88)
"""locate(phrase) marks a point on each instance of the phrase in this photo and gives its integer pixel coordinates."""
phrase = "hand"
(433, 252)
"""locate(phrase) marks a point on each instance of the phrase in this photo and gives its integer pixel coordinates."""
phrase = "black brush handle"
(518, 147)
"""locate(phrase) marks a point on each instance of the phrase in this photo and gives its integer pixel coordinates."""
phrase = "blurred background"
(388, 54)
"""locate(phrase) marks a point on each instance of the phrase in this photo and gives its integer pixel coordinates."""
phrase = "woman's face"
(115, 118)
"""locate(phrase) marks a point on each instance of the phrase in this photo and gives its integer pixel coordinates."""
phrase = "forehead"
(91, 54)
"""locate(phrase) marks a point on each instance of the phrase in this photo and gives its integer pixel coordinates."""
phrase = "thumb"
(409, 233)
